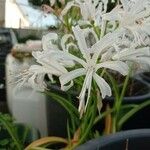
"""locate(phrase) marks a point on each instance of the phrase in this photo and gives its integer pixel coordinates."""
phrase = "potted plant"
(97, 46)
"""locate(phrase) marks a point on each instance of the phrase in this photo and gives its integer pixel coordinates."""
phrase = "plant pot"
(141, 93)
(25, 100)
(145, 76)
(56, 113)
(125, 140)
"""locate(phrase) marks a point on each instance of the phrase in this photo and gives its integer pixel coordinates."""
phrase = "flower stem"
(118, 104)
(89, 124)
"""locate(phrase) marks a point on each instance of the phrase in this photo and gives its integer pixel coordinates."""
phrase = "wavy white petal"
(103, 85)
(66, 78)
(118, 66)
(47, 41)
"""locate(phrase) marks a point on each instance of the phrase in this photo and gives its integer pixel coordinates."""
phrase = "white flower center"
(91, 65)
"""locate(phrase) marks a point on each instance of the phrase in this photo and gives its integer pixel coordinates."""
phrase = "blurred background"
(22, 25)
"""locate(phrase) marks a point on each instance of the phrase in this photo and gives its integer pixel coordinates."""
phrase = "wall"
(13, 16)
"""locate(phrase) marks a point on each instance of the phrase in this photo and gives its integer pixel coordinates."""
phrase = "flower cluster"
(118, 49)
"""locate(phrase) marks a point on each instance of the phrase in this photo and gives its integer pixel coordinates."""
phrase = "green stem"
(114, 124)
(114, 86)
(90, 125)
(89, 110)
(124, 89)
(88, 120)
(100, 117)
(96, 31)
(118, 104)
(85, 121)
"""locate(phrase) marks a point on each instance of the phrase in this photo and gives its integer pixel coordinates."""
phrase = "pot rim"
(116, 137)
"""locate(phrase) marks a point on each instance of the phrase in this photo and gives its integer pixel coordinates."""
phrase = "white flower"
(48, 42)
(134, 16)
(140, 56)
(90, 10)
(47, 64)
(90, 65)
(35, 75)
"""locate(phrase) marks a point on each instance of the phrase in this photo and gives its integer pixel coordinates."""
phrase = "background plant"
(12, 136)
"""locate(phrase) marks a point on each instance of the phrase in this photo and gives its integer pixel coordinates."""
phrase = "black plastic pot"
(125, 140)
(140, 94)
(57, 116)
(140, 119)
(146, 76)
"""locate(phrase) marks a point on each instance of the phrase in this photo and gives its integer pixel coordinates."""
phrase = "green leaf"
(9, 126)
(115, 87)
(4, 142)
(25, 134)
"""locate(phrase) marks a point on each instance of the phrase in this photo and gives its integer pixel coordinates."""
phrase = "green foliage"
(12, 136)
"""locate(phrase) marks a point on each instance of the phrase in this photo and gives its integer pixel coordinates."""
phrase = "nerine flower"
(90, 65)
(90, 10)
(133, 15)
(136, 56)
(49, 42)
(35, 75)
(47, 64)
